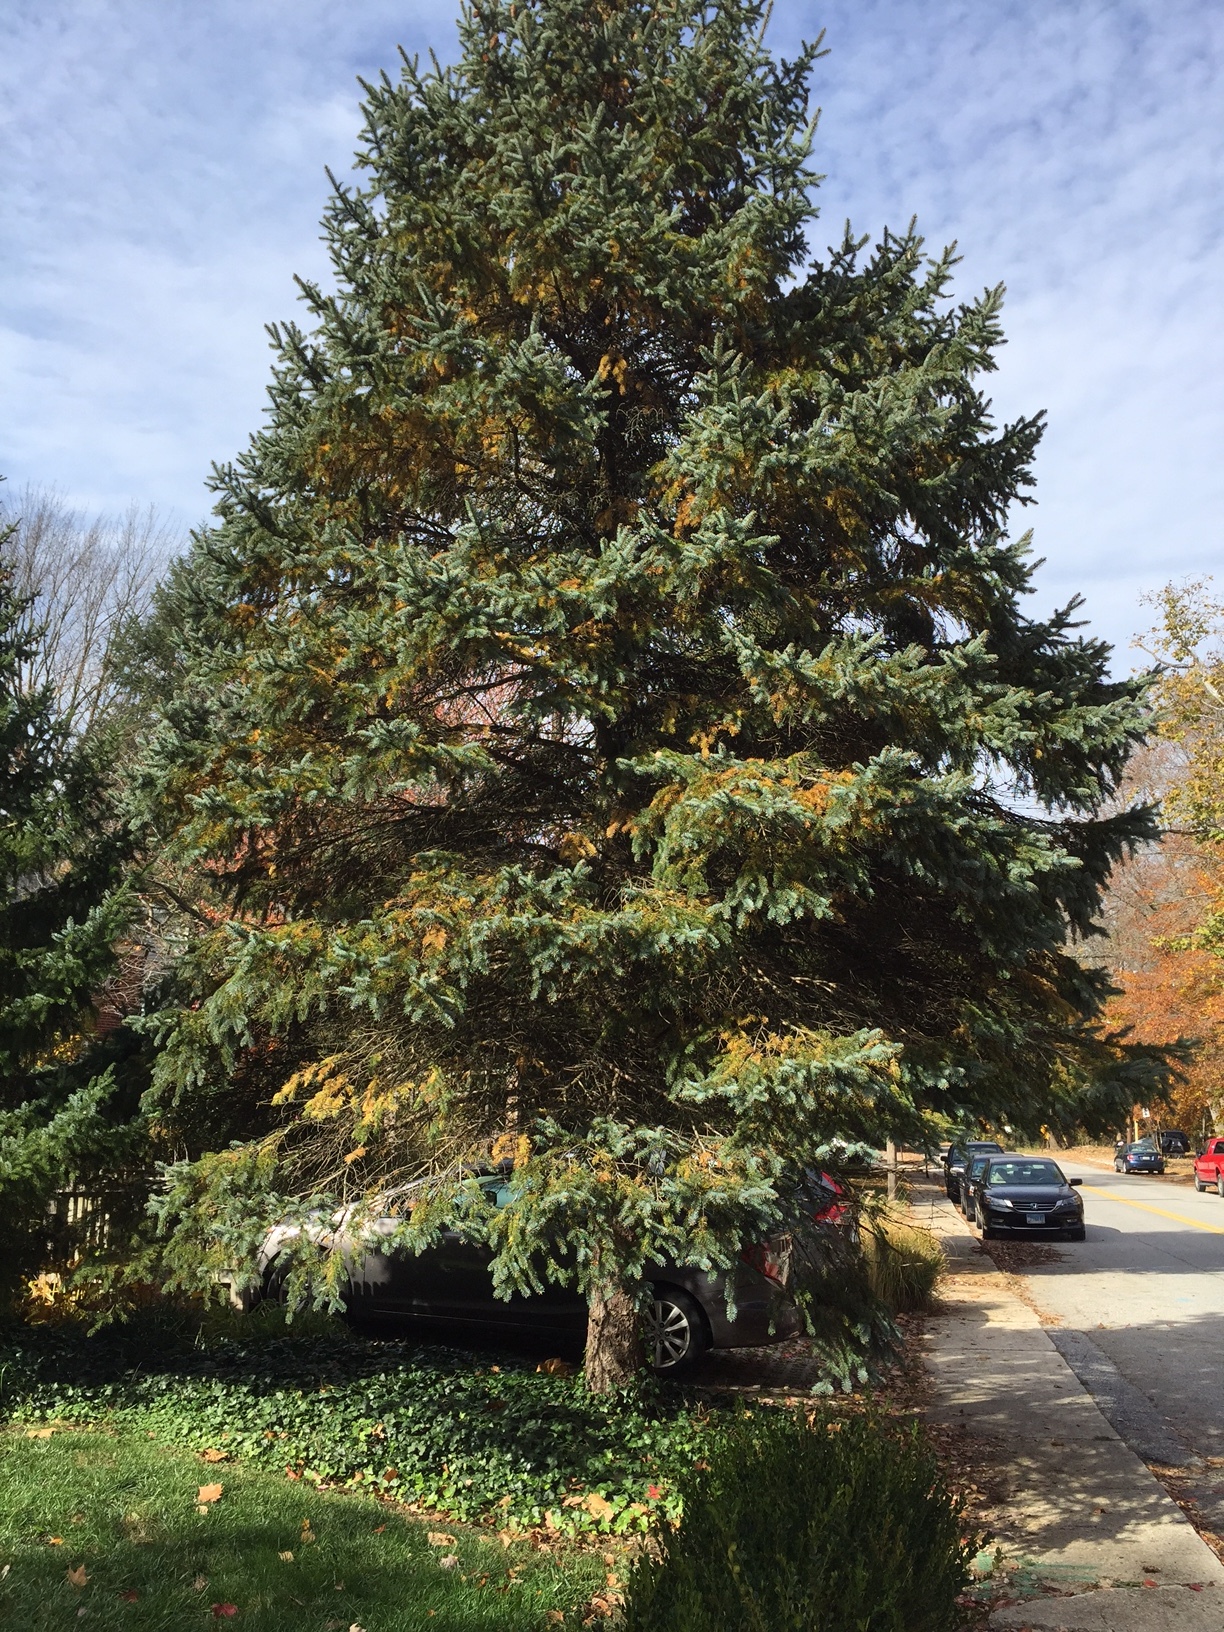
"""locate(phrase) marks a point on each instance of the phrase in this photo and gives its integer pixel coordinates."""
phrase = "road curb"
(1116, 1609)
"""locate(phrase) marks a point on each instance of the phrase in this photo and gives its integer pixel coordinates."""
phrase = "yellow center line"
(1161, 1212)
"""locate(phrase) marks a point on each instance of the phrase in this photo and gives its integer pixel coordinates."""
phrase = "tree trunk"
(614, 1340)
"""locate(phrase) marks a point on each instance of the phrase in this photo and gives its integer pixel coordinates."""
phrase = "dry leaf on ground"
(439, 1538)
(210, 1493)
(599, 1507)
(39, 1433)
(213, 1456)
(78, 1576)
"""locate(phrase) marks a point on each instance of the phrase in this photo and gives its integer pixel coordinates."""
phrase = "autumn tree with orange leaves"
(1166, 907)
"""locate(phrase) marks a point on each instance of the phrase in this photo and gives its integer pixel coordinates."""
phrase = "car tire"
(1220, 1183)
(1079, 1234)
(988, 1234)
(1199, 1185)
(675, 1332)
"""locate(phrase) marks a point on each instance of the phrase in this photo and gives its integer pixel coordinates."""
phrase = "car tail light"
(770, 1258)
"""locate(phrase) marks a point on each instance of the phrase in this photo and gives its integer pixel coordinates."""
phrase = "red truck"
(1209, 1167)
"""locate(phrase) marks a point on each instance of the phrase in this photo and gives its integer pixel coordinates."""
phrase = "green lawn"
(126, 1509)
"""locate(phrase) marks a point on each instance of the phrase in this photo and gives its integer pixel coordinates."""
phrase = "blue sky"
(162, 180)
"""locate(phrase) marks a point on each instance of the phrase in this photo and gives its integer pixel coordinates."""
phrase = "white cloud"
(163, 181)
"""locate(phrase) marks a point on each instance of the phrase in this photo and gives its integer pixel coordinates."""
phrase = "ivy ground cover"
(439, 1428)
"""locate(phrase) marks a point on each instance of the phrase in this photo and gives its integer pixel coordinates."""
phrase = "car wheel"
(676, 1334)
(1220, 1183)
(988, 1234)
(1078, 1234)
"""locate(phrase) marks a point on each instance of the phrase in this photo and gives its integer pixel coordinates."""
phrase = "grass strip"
(111, 1524)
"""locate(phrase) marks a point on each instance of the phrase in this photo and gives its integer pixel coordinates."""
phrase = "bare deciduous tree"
(88, 577)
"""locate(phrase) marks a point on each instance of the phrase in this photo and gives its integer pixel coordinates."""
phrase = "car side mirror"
(1075, 1181)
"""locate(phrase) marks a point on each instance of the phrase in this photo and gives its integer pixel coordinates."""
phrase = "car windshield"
(984, 1144)
(1002, 1173)
(977, 1165)
(1144, 1147)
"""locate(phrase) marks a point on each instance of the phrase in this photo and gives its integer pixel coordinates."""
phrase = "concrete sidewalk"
(1086, 1538)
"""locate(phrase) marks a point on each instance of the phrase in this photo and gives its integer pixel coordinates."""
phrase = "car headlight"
(1069, 1201)
(1000, 1201)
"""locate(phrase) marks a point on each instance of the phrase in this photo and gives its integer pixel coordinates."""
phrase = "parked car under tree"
(689, 1311)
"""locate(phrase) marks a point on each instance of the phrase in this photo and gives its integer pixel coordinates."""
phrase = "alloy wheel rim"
(668, 1332)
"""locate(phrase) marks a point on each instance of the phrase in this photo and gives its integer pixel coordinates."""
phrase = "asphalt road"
(1138, 1311)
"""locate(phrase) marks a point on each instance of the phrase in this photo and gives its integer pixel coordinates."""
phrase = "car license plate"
(1036, 1218)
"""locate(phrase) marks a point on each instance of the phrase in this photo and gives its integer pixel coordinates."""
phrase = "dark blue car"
(1141, 1157)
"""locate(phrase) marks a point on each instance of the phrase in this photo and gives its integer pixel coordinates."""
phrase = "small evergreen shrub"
(838, 1525)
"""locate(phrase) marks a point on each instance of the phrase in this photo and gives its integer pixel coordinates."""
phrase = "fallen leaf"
(210, 1493)
(379, 1528)
(213, 1456)
(555, 1617)
(555, 1368)
(79, 1576)
(200, 1582)
(599, 1507)
(439, 1538)
(450, 1562)
(129, 1595)
(285, 1558)
(39, 1433)
(289, 1474)
(225, 1611)
(55, 1541)
(653, 1492)
(356, 1628)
